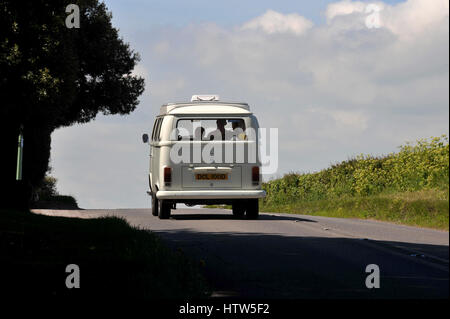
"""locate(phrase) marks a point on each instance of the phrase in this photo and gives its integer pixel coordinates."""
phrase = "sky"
(337, 78)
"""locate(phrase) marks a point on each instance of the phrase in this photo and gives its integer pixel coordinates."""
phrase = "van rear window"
(211, 129)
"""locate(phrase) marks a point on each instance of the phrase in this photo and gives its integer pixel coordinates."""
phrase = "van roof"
(205, 107)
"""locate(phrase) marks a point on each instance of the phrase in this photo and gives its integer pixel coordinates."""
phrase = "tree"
(52, 76)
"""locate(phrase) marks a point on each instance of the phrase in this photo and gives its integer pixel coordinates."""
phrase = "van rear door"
(215, 161)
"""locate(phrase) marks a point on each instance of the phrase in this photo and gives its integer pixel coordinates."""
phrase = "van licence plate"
(211, 176)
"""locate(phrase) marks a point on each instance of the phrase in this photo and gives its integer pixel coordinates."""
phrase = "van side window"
(154, 129)
(155, 133)
(158, 130)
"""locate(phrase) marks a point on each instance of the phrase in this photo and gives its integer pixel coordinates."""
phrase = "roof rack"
(210, 97)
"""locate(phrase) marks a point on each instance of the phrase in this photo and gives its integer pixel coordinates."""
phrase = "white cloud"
(273, 22)
(352, 120)
(415, 17)
(406, 20)
(345, 7)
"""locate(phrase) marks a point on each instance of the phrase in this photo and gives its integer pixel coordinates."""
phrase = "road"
(299, 256)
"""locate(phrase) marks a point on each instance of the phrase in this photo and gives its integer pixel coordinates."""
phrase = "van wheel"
(164, 209)
(238, 210)
(154, 205)
(252, 210)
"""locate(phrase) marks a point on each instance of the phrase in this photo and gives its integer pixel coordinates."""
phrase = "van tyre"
(164, 209)
(154, 205)
(238, 210)
(252, 210)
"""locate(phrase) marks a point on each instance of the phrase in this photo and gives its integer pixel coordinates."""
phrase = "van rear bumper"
(211, 194)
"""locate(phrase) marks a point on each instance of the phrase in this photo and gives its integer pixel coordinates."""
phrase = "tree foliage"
(52, 76)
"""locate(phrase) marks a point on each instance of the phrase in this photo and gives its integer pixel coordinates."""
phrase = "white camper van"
(205, 152)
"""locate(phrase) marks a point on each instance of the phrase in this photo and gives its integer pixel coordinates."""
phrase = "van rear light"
(255, 175)
(167, 175)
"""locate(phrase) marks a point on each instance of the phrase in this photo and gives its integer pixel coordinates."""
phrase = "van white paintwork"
(196, 166)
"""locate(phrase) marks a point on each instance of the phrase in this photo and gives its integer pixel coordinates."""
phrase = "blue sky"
(137, 14)
(334, 86)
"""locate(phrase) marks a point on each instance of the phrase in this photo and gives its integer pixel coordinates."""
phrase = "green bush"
(47, 196)
(47, 189)
(420, 166)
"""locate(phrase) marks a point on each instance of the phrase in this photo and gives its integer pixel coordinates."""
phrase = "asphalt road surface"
(298, 256)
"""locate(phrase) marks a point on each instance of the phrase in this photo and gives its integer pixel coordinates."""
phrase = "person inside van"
(238, 130)
(199, 133)
(220, 132)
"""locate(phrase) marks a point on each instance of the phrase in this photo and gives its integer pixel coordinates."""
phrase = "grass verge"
(115, 259)
(426, 208)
